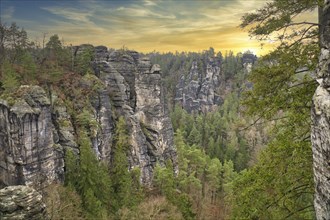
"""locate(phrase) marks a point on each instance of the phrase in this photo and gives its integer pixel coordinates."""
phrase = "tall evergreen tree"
(9, 80)
(282, 91)
(121, 178)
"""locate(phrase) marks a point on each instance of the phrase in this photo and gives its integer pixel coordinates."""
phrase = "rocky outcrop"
(134, 87)
(21, 202)
(36, 128)
(196, 92)
(99, 97)
(30, 152)
(321, 122)
(205, 86)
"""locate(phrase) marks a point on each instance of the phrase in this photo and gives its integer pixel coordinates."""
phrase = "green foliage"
(94, 180)
(83, 61)
(213, 174)
(174, 65)
(194, 137)
(71, 168)
(281, 181)
(54, 49)
(29, 67)
(87, 121)
(62, 202)
(13, 42)
(231, 65)
(55, 53)
(277, 17)
(121, 178)
(278, 85)
(9, 80)
(152, 208)
(137, 192)
(215, 132)
(90, 178)
(164, 180)
(54, 43)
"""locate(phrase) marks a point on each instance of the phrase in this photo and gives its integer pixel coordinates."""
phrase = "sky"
(141, 25)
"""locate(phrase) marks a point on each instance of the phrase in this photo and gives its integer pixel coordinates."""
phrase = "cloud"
(148, 25)
(7, 13)
(149, 3)
(142, 12)
(167, 25)
(73, 14)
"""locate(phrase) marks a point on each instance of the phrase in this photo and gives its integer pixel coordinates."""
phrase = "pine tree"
(83, 61)
(121, 178)
(29, 67)
(71, 169)
(281, 92)
(9, 80)
(194, 137)
(93, 182)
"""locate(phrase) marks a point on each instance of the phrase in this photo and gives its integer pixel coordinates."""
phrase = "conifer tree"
(121, 178)
(93, 181)
(71, 169)
(83, 61)
(28, 67)
(281, 181)
(194, 137)
(9, 80)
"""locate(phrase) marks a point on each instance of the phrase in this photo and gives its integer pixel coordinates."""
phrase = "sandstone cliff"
(30, 152)
(36, 128)
(205, 86)
(134, 85)
(197, 92)
(321, 122)
(21, 202)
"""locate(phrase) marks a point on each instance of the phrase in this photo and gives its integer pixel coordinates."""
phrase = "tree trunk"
(321, 120)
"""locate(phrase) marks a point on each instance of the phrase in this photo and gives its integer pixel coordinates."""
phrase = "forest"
(249, 158)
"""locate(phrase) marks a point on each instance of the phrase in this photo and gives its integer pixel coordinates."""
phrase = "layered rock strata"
(321, 121)
(21, 202)
(30, 152)
(135, 90)
(196, 92)
(36, 128)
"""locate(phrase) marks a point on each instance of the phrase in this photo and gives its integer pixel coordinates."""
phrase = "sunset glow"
(162, 25)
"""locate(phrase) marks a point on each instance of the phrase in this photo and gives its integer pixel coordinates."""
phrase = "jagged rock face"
(21, 202)
(197, 93)
(321, 122)
(36, 130)
(30, 152)
(153, 116)
(102, 113)
(135, 89)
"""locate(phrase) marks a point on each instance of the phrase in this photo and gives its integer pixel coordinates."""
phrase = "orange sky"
(142, 25)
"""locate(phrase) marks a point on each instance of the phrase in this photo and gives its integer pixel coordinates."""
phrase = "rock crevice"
(321, 121)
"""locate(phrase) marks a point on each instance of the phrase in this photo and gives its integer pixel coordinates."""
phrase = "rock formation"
(321, 121)
(36, 128)
(134, 85)
(196, 92)
(30, 152)
(204, 88)
(21, 202)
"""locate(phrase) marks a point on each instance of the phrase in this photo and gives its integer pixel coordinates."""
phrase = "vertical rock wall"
(21, 202)
(321, 121)
(196, 92)
(34, 133)
(135, 90)
(29, 150)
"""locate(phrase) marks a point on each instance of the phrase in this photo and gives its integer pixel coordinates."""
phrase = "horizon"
(145, 25)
